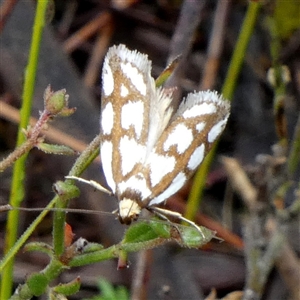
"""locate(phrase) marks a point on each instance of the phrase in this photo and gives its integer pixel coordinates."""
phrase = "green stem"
(227, 91)
(83, 161)
(95, 257)
(17, 187)
(241, 49)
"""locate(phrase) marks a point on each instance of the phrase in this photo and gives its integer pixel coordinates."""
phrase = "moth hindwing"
(147, 151)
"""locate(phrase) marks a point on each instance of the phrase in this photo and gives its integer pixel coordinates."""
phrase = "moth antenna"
(163, 213)
(8, 207)
(92, 183)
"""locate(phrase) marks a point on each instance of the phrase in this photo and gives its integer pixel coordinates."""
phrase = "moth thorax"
(129, 211)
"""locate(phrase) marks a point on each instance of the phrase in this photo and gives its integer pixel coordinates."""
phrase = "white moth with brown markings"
(147, 151)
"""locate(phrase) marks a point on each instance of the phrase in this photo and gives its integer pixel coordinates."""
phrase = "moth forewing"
(185, 142)
(126, 90)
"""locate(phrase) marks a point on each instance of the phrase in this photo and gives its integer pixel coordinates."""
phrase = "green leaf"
(55, 149)
(192, 238)
(41, 247)
(69, 288)
(37, 283)
(167, 72)
(142, 235)
(162, 229)
(140, 232)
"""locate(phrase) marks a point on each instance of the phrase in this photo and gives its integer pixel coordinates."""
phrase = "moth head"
(129, 211)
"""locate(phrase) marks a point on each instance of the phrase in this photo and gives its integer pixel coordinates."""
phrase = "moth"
(148, 150)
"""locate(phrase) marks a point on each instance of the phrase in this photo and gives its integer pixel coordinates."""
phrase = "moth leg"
(92, 183)
(163, 217)
(164, 213)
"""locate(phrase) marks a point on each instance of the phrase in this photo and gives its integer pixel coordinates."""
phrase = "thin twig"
(240, 181)
(67, 18)
(79, 37)
(138, 289)
(100, 48)
(182, 40)
(54, 135)
(215, 47)
(5, 10)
